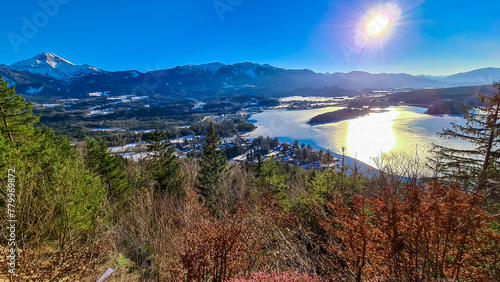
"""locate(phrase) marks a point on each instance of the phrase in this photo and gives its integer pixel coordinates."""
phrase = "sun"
(379, 23)
(373, 32)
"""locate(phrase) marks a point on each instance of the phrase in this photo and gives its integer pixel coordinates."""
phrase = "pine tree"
(20, 141)
(259, 165)
(327, 158)
(108, 167)
(57, 199)
(476, 168)
(16, 115)
(212, 163)
(168, 171)
(157, 142)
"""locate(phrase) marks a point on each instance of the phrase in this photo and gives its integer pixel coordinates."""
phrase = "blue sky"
(425, 37)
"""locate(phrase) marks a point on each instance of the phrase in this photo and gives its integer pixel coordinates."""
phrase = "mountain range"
(50, 75)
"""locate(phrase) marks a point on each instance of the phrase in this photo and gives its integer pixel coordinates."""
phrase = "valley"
(230, 96)
(250, 141)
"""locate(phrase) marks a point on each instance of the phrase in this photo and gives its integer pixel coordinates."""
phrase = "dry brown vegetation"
(417, 234)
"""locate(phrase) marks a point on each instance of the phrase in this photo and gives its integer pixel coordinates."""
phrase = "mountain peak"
(49, 64)
(49, 59)
(52, 59)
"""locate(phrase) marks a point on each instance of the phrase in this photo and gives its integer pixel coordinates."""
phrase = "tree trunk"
(482, 175)
(7, 126)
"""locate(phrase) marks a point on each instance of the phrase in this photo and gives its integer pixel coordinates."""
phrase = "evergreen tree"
(259, 165)
(168, 170)
(476, 168)
(57, 199)
(110, 168)
(157, 142)
(212, 163)
(271, 179)
(20, 142)
(16, 115)
(284, 147)
(327, 158)
(321, 154)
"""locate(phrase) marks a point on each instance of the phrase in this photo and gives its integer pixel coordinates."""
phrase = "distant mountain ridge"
(482, 76)
(51, 75)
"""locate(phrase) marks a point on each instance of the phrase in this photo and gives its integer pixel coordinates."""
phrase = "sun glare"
(371, 135)
(379, 23)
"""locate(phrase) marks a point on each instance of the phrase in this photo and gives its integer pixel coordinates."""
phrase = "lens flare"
(379, 23)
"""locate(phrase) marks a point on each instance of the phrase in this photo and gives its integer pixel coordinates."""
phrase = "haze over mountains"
(50, 75)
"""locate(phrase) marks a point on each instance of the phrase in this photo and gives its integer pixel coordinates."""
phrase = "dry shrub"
(258, 235)
(284, 243)
(184, 242)
(232, 189)
(70, 264)
(217, 249)
(213, 248)
(437, 233)
(148, 232)
(190, 168)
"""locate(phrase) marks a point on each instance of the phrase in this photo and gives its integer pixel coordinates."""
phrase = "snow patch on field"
(34, 91)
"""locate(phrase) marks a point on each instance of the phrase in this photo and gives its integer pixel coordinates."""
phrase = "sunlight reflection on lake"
(369, 136)
(398, 130)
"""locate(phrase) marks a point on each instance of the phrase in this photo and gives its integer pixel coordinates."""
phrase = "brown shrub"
(436, 233)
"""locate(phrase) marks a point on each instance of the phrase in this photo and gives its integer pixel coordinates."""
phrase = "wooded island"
(339, 115)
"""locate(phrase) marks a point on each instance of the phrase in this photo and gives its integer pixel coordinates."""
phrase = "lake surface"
(400, 129)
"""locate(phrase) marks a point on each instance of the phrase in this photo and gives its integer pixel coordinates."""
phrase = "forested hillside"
(80, 210)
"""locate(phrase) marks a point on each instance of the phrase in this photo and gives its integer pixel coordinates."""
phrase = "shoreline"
(306, 139)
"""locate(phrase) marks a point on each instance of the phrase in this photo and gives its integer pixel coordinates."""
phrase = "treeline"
(125, 129)
(81, 210)
(226, 128)
(156, 111)
(426, 97)
(445, 107)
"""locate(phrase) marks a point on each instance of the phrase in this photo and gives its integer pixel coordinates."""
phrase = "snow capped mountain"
(49, 74)
(49, 64)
